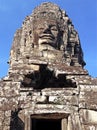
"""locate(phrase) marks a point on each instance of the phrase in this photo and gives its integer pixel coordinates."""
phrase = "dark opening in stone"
(49, 121)
(46, 124)
(45, 78)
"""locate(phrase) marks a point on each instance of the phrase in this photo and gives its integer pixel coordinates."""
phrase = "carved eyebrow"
(54, 25)
(39, 27)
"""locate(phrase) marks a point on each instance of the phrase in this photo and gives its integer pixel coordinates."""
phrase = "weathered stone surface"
(88, 96)
(9, 89)
(46, 77)
(88, 116)
(89, 127)
(52, 108)
(57, 91)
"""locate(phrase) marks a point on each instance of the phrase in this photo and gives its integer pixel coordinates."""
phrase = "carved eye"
(54, 28)
(41, 28)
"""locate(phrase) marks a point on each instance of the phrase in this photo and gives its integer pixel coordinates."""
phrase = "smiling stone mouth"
(46, 36)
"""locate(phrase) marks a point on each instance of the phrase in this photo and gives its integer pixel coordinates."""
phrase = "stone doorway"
(48, 122)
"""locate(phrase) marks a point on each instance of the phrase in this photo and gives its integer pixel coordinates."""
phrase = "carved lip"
(47, 36)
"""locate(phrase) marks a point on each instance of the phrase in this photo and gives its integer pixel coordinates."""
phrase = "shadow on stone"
(45, 78)
(16, 123)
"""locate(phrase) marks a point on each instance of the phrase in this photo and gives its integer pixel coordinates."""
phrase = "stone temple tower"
(47, 86)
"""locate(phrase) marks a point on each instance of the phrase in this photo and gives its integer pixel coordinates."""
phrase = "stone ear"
(61, 43)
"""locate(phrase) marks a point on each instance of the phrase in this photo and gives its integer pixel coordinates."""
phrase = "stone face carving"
(48, 34)
(46, 79)
(48, 25)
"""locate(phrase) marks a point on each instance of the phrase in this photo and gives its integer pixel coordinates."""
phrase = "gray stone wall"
(47, 81)
(79, 106)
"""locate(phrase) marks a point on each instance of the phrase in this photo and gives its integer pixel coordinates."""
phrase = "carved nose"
(47, 30)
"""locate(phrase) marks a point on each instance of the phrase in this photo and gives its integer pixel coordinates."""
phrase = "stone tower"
(47, 86)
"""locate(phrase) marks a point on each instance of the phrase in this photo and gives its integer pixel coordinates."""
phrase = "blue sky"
(83, 14)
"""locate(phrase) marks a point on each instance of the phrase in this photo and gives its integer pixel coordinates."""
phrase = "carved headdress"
(48, 11)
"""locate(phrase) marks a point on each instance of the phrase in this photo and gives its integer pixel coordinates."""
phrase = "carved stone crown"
(48, 11)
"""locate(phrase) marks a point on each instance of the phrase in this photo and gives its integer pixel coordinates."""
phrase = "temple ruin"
(47, 86)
